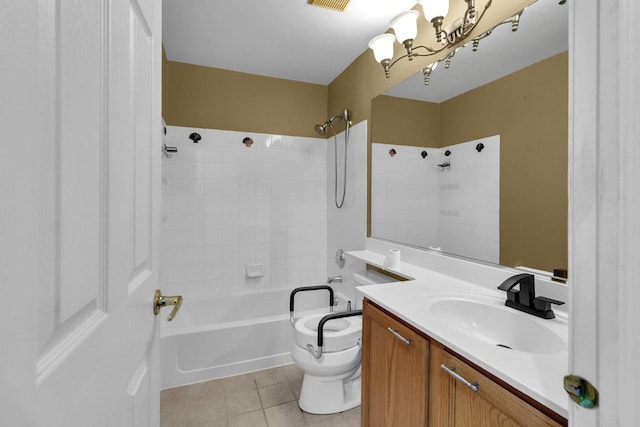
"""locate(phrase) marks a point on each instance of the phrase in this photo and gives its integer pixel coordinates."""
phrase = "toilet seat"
(339, 334)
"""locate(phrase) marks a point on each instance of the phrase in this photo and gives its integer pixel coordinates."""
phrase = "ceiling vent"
(339, 5)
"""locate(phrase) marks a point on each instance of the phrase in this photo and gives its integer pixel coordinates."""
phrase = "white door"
(604, 241)
(80, 204)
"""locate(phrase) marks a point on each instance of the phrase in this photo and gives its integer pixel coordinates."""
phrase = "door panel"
(80, 142)
(96, 361)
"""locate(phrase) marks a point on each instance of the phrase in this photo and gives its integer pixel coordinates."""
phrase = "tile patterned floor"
(260, 399)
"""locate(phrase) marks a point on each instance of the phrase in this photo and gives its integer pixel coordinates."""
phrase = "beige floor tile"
(239, 383)
(296, 386)
(286, 415)
(336, 420)
(352, 416)
(172, 418)
(293, 373)
(270, 376)
(242, 402)
(206, 389)
(175, 395)
(276, 394)
(252, 419)
(173, 407)
(206, 409)
(210, 423)
(239, 401)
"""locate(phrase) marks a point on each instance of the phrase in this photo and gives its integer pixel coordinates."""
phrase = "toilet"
(331, 380)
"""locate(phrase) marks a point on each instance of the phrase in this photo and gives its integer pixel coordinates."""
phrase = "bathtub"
(222, 336)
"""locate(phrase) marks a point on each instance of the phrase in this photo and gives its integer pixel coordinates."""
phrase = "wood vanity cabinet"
(394, 373)
(454, 403)
(405, 385)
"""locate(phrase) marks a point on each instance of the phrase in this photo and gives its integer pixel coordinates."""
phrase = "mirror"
(514, 88)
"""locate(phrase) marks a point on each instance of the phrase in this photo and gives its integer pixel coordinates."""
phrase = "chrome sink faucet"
(525, 299)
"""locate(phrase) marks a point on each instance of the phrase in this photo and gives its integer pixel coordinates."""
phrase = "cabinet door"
(455, 404)
(394, 372)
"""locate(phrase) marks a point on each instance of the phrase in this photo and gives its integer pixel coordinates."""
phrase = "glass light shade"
(405, 25)
(434, 8)
(382, 46)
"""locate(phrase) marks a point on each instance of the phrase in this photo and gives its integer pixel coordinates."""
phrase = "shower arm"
(344, 115)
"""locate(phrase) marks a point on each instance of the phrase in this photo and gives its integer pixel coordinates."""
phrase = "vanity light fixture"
(404, 28)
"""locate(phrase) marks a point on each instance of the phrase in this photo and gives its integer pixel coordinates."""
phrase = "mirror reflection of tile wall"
(455, 208)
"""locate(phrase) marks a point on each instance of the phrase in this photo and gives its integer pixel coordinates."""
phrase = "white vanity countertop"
(537, 374)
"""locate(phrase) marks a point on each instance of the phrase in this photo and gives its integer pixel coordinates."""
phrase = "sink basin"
(487, 319)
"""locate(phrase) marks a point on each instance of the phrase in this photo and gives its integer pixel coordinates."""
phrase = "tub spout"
(334, 279)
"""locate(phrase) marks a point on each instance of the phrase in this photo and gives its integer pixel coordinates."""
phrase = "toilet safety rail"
(309, 288)
(317, 353)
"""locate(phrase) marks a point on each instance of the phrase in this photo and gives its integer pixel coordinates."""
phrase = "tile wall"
(226, 206)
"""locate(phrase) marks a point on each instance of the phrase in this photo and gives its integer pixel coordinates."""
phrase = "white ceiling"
(289, 39)
(293, 40)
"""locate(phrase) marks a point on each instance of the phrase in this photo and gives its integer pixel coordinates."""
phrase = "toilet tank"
(366, 278)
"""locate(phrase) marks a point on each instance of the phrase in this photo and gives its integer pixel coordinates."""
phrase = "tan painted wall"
(220, 99)
(405, 122)
(529, 110)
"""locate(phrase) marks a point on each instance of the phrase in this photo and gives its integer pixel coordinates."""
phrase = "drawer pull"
(400, 337)
(451, 371)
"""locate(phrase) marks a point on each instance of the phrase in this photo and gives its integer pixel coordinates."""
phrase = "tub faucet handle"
(160, 301)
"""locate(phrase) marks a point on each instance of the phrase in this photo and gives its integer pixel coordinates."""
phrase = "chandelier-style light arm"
(414, 51)
(513, 20)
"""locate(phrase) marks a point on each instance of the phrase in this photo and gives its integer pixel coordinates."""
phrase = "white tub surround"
(537, 374)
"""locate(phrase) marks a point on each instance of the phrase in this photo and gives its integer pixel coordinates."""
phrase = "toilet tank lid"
(371, 277)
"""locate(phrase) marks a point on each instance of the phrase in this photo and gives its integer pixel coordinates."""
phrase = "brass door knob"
(160, 301)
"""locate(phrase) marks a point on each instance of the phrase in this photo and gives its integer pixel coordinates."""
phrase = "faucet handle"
(544, 304)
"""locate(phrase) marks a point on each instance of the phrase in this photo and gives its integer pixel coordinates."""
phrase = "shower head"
(321, 129)
(346, 116)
